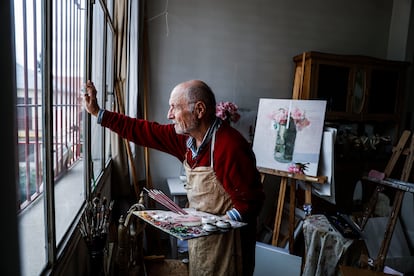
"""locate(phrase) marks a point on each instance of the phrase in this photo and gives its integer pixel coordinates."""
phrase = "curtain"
(124, 173)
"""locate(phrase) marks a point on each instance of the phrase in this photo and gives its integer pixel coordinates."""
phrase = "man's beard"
(181, 128)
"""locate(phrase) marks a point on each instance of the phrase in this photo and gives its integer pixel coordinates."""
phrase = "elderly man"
(220, 167)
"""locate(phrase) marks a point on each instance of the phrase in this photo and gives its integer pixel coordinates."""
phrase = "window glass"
(68, 53)
(110, 7)
(66, 128)
(98, 73)
(29, 123)
(110, 57)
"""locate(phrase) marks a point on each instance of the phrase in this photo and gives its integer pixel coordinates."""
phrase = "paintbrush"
(163, 199)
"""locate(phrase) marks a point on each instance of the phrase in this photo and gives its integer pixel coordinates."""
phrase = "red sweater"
(234, 161)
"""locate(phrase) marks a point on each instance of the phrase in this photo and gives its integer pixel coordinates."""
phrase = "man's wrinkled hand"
(89, 98)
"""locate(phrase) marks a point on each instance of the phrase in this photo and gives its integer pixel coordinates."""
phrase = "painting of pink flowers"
(297, 115)
(289, 132)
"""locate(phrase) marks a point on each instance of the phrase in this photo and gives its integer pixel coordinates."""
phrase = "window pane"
(110, 85)
(29, 109)
(98, 74)
(67, 69)
(68, 56)
(110, 7)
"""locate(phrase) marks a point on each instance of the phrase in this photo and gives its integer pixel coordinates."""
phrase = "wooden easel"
(285, 176)
(308, 180)
(400, 188)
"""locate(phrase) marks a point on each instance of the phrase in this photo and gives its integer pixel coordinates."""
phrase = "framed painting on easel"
(289, 132)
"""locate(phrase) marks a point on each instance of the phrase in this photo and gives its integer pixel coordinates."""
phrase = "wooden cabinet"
(356, 88)
(364, 102)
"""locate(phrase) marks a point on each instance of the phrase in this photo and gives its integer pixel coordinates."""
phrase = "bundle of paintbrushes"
(163, 199)
(94, 223)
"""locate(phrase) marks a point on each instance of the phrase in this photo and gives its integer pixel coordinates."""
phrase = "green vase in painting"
(285, 142)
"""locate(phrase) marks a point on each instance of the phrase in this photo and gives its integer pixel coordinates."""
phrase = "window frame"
(53, 249)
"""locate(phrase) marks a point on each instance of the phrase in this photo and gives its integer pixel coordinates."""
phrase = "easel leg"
(279, 210)
(379, 266)
(292, 204)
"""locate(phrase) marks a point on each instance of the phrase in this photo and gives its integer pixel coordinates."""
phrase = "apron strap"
(213, 141)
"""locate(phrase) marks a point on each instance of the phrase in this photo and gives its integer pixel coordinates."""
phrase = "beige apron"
(218, 254)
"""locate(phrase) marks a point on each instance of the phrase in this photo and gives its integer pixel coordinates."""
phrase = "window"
(50, 120)
(98, 77)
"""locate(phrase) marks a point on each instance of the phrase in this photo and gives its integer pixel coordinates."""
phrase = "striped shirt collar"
(191, 142)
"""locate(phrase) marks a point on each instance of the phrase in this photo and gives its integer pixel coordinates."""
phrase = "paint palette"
(193, 225)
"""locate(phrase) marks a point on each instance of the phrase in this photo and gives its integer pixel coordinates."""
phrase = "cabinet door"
(333, 86)
(383, 91)
(358, 90)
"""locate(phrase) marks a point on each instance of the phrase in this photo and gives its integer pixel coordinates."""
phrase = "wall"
(243, 49)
